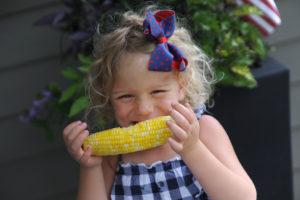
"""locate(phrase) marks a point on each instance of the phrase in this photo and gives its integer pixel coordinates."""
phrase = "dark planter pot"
(258, 124)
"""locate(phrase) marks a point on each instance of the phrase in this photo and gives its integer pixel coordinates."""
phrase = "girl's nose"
(144, 107)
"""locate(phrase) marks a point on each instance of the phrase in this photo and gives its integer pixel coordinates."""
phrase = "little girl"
(146, 68)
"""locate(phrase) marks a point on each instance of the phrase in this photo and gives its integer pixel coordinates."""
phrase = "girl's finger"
(180, 119)
(185, 111)
(176, 146)
(67, 130)
(86, 156)
(177, 131)
(74, 132)
(78, 141)
(187, 105)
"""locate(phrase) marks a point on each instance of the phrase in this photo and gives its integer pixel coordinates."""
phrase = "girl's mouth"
(134, 122)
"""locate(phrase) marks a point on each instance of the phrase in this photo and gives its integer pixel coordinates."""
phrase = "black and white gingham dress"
(161, 180)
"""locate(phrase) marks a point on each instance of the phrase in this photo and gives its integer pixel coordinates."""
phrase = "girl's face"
(139, 94)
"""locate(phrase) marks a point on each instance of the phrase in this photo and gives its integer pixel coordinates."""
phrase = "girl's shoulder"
(214, 137)
(208, 120)
(210, 127)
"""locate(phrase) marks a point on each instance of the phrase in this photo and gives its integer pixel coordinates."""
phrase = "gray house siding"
(286, 39)
(30, 166)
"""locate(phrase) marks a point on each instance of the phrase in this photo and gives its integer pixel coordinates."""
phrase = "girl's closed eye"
(125, 96)
(158, 91)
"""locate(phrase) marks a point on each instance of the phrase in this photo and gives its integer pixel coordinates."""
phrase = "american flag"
(270, 19)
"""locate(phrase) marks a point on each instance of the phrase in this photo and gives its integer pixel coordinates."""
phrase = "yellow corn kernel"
(141, 136)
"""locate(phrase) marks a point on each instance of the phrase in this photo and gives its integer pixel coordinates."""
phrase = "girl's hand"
(185, 130)
(74, 135)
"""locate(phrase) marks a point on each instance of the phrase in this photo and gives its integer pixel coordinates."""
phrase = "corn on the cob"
(141, 136)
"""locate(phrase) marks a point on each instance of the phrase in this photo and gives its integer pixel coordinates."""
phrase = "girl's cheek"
(122, 110)
(165, 104)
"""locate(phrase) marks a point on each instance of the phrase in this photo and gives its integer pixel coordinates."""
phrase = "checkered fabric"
(162, 180)
(199, 111)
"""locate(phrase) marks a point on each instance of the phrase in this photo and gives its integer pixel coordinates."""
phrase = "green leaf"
(259, 47)
(78, 105)
(53, 87)
(203, 2)
(70, 74)
(84, 68)
(223, 53)
(193, 2)
(240, 81)
(243, 71)
(207, 21)
(208, 50)
(230, 1)
(246, 10)
(242, 61)
(225, 25)
(244, 83)
(70, 91)
(85, 59)
(232, 79)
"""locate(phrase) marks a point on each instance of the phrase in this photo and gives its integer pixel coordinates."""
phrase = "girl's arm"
(206, 149)
(91, 184)
(109, 167)
(96, 176)
(215, 165)
(96, 183)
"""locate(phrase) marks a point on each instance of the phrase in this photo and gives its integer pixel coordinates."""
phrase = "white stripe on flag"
(267, 11)
(272, 2)
(262, 23)
(270, 18)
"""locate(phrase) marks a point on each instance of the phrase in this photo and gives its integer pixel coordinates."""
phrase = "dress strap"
(200, 111)
(120, 158)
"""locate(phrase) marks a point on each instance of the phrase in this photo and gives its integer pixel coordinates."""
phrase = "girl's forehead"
(132, 63)
(131, 58)
(133, 69)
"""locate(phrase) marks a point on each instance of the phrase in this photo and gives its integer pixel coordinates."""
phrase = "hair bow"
(160, 26)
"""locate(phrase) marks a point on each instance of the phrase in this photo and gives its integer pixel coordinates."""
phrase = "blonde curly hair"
(129, 36)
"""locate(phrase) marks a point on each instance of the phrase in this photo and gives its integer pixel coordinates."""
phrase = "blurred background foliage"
(217, 26)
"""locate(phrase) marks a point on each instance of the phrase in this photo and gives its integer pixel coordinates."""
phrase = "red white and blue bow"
(166, 56)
